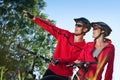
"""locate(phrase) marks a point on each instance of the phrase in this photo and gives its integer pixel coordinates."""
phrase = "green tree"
(15, 29)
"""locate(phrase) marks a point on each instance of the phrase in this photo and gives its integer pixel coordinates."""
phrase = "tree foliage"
(15, 29)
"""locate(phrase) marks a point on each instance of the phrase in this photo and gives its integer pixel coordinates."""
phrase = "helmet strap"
(102, 32)
(79, 34)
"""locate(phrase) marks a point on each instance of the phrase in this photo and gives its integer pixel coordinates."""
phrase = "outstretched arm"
(52, 29)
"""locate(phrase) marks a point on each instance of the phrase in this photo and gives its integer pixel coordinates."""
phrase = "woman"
(102, 49)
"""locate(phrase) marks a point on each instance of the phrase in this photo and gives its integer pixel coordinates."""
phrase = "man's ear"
(85, 29)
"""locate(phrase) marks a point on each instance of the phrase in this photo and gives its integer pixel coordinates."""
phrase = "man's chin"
(76, 34)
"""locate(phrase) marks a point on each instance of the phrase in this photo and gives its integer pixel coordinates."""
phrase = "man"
(68, 46)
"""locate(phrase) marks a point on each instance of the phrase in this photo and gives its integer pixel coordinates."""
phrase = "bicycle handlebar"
(81, 64)
(34, 53)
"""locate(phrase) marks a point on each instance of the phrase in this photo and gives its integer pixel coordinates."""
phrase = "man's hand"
(82, 64)
(79, 63)
(27, 14)
(55, 61)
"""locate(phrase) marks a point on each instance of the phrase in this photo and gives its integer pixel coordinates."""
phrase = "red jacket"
(66, 49)
(105, 57)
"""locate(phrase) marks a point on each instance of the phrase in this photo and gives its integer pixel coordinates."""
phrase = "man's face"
(78, 27)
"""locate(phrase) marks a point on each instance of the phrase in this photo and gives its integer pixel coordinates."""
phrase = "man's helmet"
(107, 30)
(85, 21)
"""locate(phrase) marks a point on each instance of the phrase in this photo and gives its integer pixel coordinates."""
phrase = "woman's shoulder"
(90, 43)
(110, 44)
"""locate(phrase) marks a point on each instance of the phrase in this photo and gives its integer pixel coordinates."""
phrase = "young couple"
(72, 48)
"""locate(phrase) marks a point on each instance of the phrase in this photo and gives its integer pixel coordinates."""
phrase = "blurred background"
(16, 64)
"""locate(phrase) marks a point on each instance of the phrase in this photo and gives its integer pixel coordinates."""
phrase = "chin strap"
(99, 35)
(79, 34)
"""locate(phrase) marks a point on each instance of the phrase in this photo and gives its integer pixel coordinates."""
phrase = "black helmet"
(107, 30)
(84, 21)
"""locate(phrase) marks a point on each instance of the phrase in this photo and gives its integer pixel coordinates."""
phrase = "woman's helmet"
(103, 26)
(85, 21)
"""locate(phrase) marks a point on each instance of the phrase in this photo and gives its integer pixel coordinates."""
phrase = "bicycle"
(47, 60)
(76, 67)
(83, 66)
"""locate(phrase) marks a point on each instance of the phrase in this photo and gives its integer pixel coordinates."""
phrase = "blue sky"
(108, 11)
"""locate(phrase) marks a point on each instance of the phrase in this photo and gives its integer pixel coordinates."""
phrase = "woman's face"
(96, 31)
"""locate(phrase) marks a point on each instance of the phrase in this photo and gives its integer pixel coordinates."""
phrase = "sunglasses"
(78, 25)
(96, 28)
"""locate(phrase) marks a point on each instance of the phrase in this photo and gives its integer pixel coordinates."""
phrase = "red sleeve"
(109, 71)
(65, 60)
(82, 59)
(74, 54)
(81, 56)
(52, 29)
